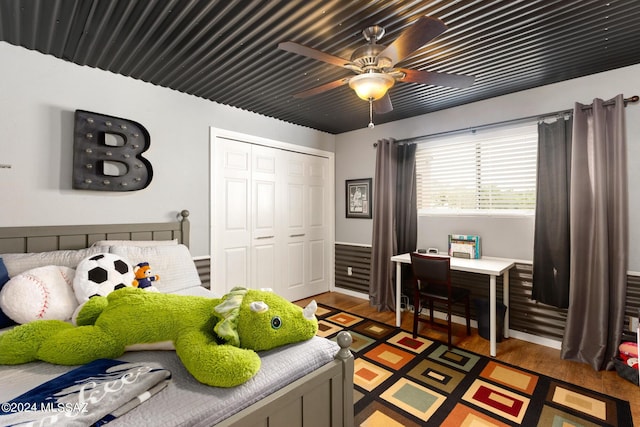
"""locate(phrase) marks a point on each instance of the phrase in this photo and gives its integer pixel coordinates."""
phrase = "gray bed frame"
(322, 398)
(64, 237)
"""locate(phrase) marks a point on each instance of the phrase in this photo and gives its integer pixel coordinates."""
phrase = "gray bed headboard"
(56, 237)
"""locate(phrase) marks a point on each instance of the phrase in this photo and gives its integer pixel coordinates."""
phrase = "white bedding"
(185, 401)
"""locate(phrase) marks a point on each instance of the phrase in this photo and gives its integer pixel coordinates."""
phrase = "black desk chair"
(432, 277)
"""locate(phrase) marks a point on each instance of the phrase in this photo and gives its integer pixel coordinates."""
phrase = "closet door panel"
(317, 271)
(294, 193)
(235, 265)
(264, 219)
(264, 265)
(235, 205)
(317, 195)
(295, 208)
(264, 175)
(317, 209)
(294, 265)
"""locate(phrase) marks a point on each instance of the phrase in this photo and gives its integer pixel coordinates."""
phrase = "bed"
(290, 389)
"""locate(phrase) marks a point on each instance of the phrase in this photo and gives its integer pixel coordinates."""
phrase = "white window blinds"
(491, 170)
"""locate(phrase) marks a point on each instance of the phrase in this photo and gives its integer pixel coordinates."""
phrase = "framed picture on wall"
(358, 192)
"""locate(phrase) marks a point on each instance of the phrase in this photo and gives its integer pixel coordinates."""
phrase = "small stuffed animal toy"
(215, 338)
(144, 277)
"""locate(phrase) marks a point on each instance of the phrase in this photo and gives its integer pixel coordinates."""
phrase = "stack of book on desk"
(464, 246)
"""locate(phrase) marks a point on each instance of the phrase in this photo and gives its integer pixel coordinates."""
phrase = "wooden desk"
(492, 267)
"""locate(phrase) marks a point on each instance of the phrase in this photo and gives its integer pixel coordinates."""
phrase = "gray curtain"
(599, 234)
(551, 236)
(406, 209)
(384, 242)
(405, 201)
(395, 217)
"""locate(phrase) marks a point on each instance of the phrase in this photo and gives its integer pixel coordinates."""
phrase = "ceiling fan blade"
(417, 35)
(312, 53)
(437, 79)
(383, 105)
(323, 88)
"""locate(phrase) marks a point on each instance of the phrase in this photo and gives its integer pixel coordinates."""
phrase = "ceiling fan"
(374, 65)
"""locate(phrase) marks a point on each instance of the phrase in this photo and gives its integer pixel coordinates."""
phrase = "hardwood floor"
(530, 356)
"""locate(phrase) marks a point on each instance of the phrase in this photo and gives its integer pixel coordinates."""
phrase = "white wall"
(508, 237)
(39, 95)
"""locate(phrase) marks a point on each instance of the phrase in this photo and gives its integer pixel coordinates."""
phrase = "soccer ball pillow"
(101, 274)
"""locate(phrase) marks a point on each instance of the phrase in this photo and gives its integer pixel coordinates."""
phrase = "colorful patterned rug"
(402, 381)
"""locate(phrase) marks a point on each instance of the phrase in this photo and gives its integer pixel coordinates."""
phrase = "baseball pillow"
(5, 321)
(41, 293)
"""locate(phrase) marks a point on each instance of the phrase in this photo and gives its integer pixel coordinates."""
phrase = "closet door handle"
(264, 237)
(296, 235)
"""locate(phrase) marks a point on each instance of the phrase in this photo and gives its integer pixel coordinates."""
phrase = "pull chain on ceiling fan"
(374, 65)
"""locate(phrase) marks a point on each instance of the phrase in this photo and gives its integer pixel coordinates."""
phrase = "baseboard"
(351, 293)
(547, 342)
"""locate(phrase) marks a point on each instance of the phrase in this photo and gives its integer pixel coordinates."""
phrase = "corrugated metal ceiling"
(226, 51)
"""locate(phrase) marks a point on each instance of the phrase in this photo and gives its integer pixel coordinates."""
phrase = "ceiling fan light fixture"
(371, 86)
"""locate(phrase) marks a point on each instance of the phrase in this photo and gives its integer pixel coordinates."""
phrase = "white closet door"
(318, 228)
(305, 222)
(271, 219)
(264, 218)
(232, 213)
(295, 225)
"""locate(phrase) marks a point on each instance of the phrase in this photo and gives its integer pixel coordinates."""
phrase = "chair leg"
(449, 324)
(416, 314)
(431, 311)
(468, 314)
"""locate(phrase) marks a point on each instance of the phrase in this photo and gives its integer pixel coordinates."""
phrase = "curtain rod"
(633, 98)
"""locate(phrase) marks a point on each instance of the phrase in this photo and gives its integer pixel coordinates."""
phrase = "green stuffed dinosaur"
(215, 338)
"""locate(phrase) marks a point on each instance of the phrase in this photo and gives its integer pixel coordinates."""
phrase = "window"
(487, 171)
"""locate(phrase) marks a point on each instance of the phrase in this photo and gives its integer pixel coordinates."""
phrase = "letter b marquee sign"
(107, 153)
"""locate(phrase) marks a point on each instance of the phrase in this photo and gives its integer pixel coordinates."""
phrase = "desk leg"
(398, 294)
(505, 300)
(492, 314)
